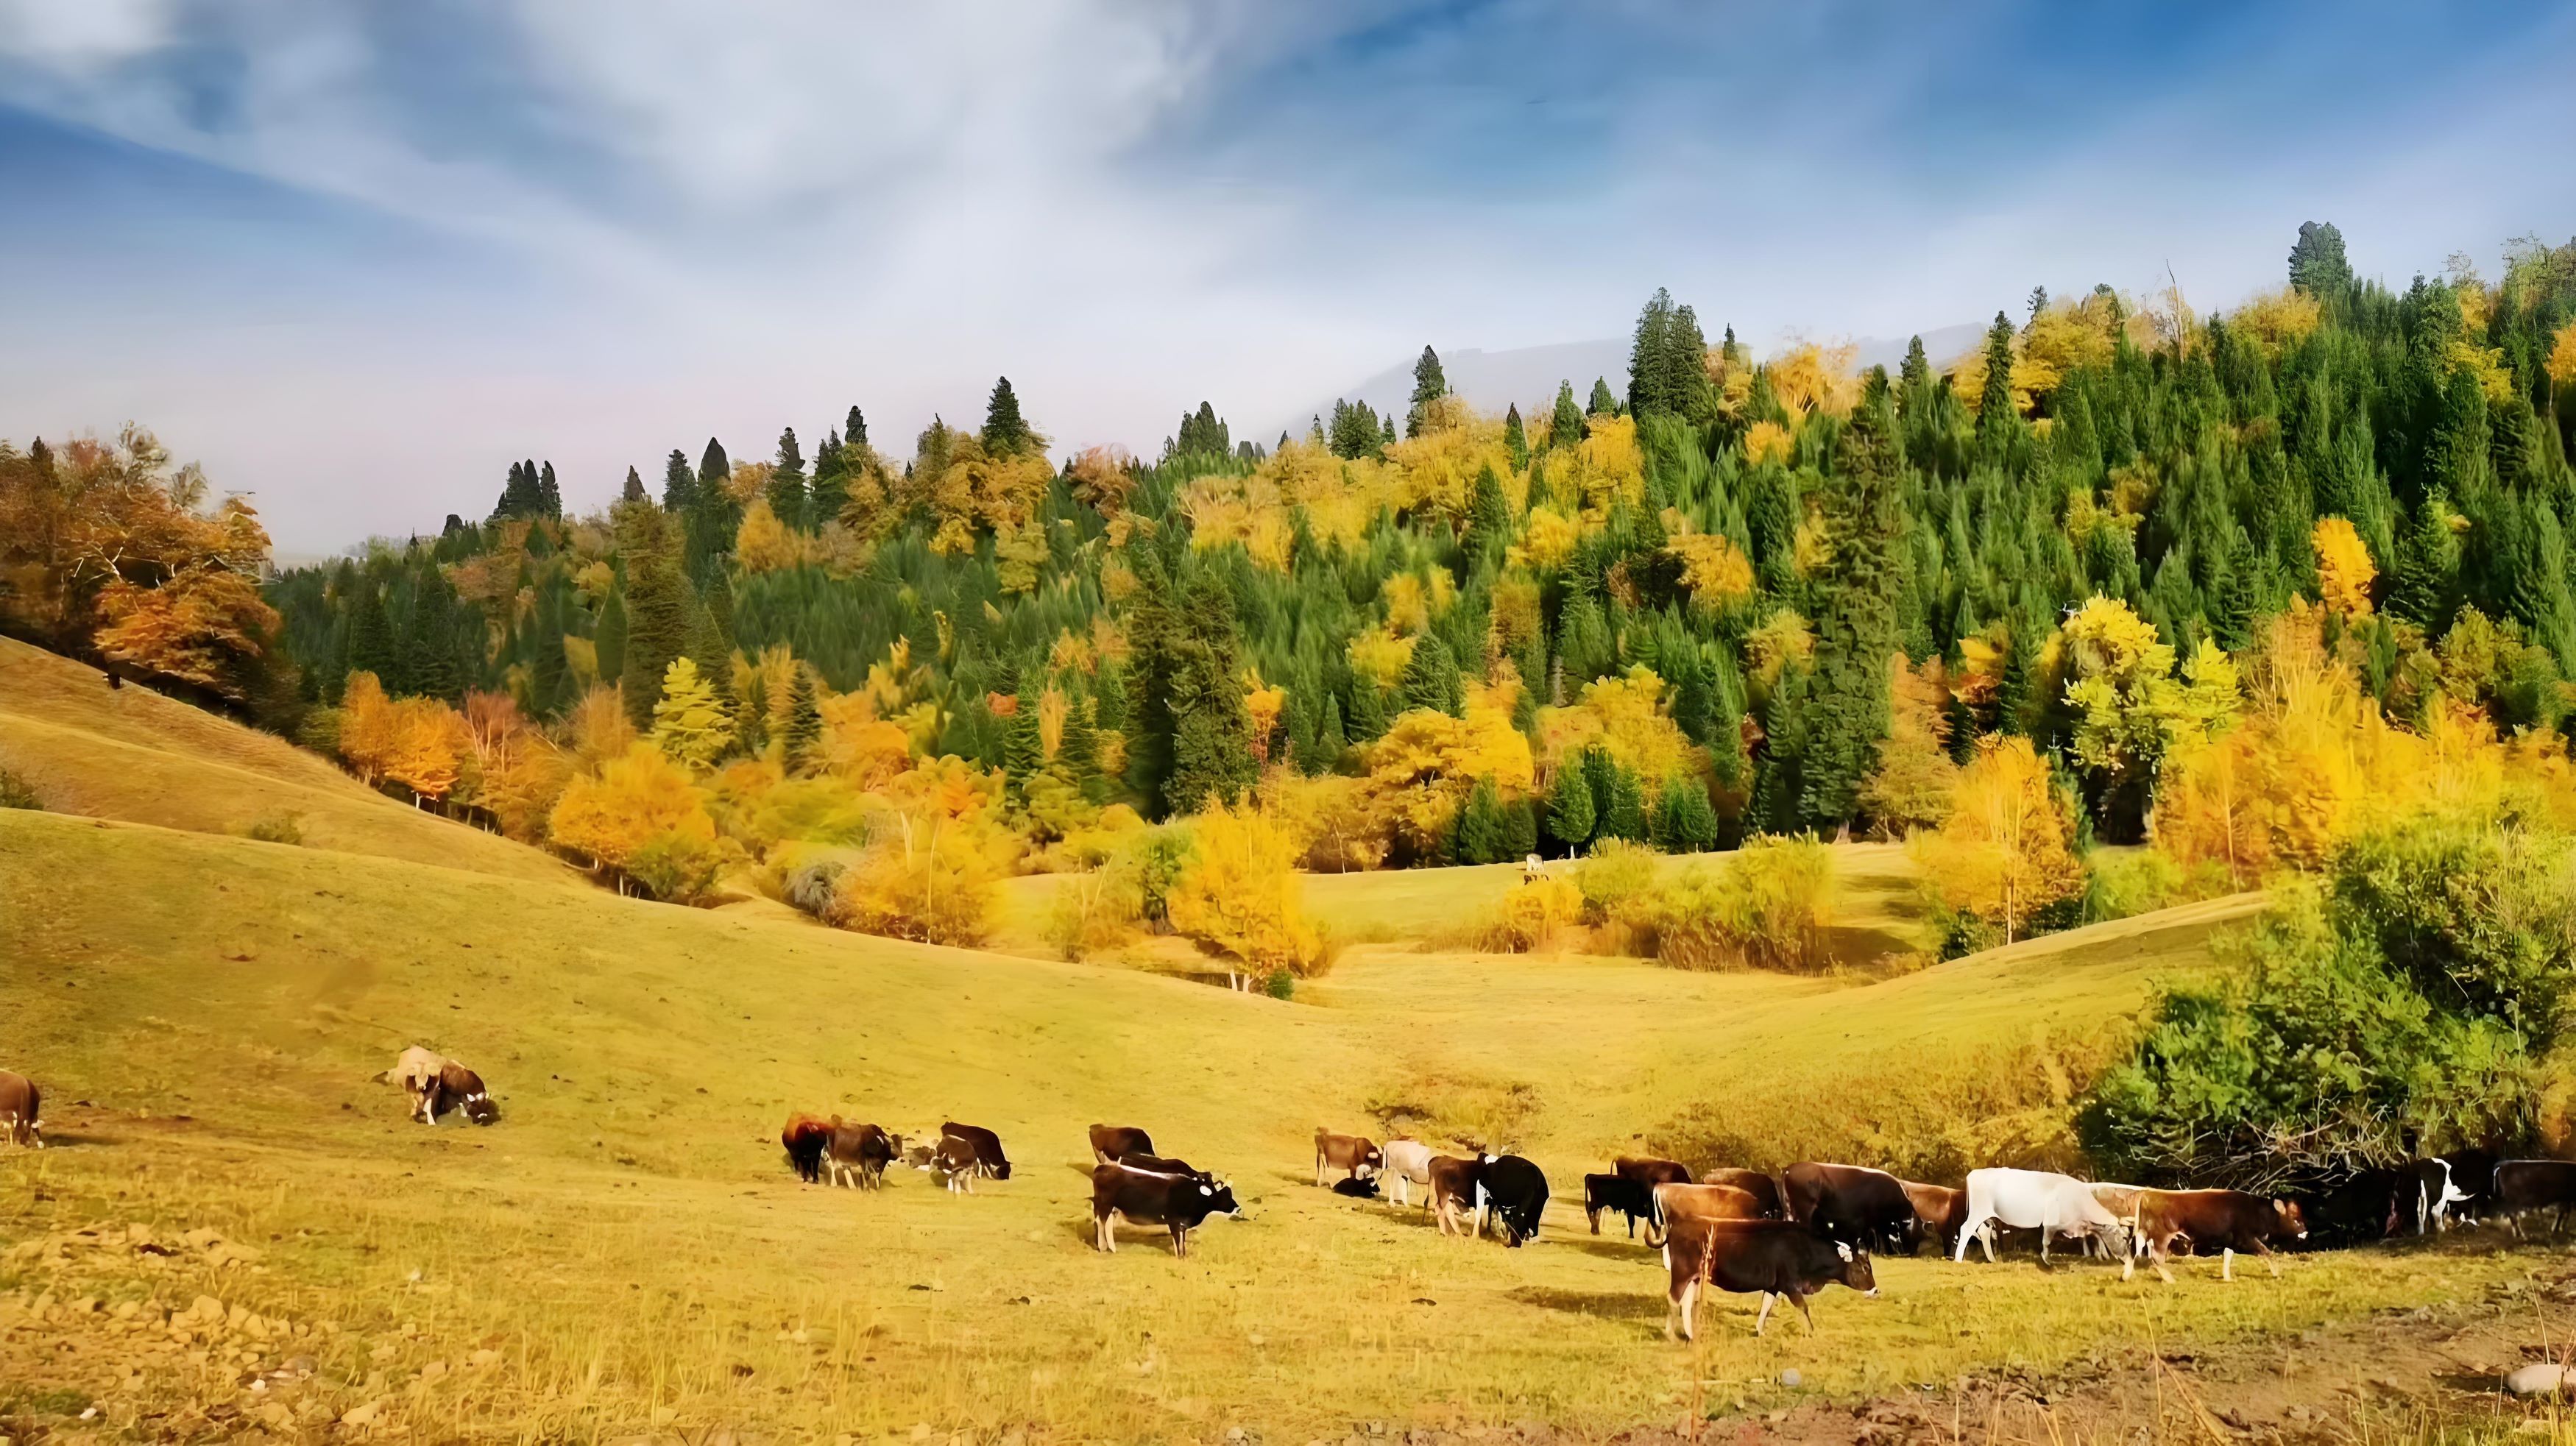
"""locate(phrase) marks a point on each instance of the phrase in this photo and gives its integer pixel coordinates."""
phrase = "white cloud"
(82, 35)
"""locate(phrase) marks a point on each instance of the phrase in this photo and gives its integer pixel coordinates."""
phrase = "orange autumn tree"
(2003, 854)
(205, 627)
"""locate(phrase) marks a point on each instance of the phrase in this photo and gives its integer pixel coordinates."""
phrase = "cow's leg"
(1594, 1216)
(2227, 1262)
(2271, 1262)
(2047, 1228)
(1799, 1299)
(1975, 1227)
(1986, 1238)
(1319, 1167)
(1764, 1315)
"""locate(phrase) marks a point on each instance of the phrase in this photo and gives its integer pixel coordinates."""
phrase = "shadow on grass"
(1610, 1247)
(1602, 1305)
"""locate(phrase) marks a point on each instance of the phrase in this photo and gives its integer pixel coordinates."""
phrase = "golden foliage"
(1380, 656)
(1608, 466)
(1249, 510)
(2562, 356)
(2278, 318)
(935, 857)
(1240, 893)
(765, 544)
(1782, 640)
(203, 626)
(1624, 716)
(1915, 780)
(1716, 572)
(597, 727)
(1530, 916)
(2344, 570)
(691, 724)
(633, 800)
(1514, 616)
(1438, 467)
(2003, 854)
(1811, 378)
(2487, 364)
(1263, 705)
(1770, 905)
(1102, 479)
(1767, 441)
(1548, 540)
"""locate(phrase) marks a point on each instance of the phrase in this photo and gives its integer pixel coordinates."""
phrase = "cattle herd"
(1782, 1237)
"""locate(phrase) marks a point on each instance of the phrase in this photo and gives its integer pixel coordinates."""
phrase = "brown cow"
(1353, 1155)
(858, 1154)
(1651, 1170)
(1681, 1205)
(1943, 1210)
(2232, 1220)
(805, 1139)
(1758, 1183)
(1780, 1258)
(454, 1087)
(1457, 1183)
(1113, 1142)
(956, 1164)
(2521, 1187)
(22, 1110)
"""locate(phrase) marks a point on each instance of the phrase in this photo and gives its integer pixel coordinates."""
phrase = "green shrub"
(2123, 883)
(675, 866)
(1618, 880)
(2397, 1011)
(1100, 910)
(1280, 985)
(1770, 907)
(17, 792)
(278, 828)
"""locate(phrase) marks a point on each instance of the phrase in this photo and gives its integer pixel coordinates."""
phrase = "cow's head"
(480, 1109)
(1372, 1160)
(2290, 1219)
(1001, 1168)
(1855, 1270)
(1216, 1197)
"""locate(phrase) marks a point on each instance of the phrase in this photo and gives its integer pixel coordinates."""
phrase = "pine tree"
(609, 639)
(1366, 718)
(787, 482)
(1211, 733)
(854, 432)
(2427, 558)
(1565, 421)
(429, 645)
(1330, 741)
(707, 646)
(1603, 404)
(1489, 518)
(2317, 264)
(657, 614)
(1109, 700)
(1429, 386)
(1520, 828)
(1023, 747)
(1583, 645)
(1005, 434)
(371, 632)
(1996, 416)
(1649, 386)
(831, 489)
(1431, 678)
(1077, 749)
(679, 484)
(1685, 822)
(804, 735)
(1479, 837)
(1914, 376)
(1569, 808)
(1856, 630)
(751, 726)
(547, 673)
(1516, 439)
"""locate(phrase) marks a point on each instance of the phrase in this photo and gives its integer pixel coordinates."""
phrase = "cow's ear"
(1842, 1250)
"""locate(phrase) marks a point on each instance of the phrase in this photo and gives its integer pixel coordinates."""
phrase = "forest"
(2125, 573)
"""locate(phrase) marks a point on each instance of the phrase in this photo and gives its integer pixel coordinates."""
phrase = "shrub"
(2123, 883)
(1529, 916)
(1100, 910)
(1618, 883)
(1770, 907)
(1280, 985)
(810, 887)
(932, 881)
(2395, 1012)
(1240, 894)
(677, 866)
(279, 828)
(17, 792)
(319, 730)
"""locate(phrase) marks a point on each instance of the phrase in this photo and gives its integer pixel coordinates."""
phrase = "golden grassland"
(625, 1252)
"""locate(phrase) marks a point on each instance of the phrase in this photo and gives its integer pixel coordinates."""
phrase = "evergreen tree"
(1516, 439)
(1996, 416)
(1431, 678)
(787, 481)
(1109, 700)
(1077, 749)
(1649, 385)
(1429, 386)
(1565, 420)
(634, 490)
(657, 614)
(691, 723)
(804, 721)
(1685, 822)
(707, 647)
(609, 639)
(1023, 747)
(1330, 741)
(1367, 715)
(854, 432)
(751, 726)
(831, 489)
(1916, 373)
(2317, 264)
(1489, 518)
(1211, 733)
(1569, 808)
(1005, 434)
(371, 632)
(1603, 404)
(1479, 838)
(1583, 646)
(429, 646)
(1520, 828)
(548, 680)
(1856, 630)
(549, 496)
(1618, 799)
(2427, 559)
(679, 484)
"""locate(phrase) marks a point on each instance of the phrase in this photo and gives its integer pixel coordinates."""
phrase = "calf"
(1358, 1187)
(454, 1087)
(956, 1164)
(1408, 1162)
(989, 1159)
(1454, 1184)
(1518, 1189)
(1353, 1155)
(1181, 1203)
(1779, 1258)
(858, 1154)
(2041, 1200)
(2473, 1171)
(805, 1139)
(1764, 1189)
(1854, 1204)
(22, 1111)
(2523, 1186)
(1111, 1142)
(2229, 1219)
(2435, 1193)
(1632, 1198)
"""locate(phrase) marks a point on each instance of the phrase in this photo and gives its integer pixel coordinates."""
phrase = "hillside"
(215, 1006)
(131, 754)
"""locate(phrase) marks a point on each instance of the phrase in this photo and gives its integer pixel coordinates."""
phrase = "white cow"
(1408, 1162)
(415, 1069)
(2431, 1210)
(2040, 1200)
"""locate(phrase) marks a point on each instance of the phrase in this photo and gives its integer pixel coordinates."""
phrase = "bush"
(278, 828)
(811, 887)
(17, 792)
(931, 884)
(1770, 907)
(1618, 880)
(1240, 894)
(1530, 916)
(1098, 911)
(320, 731)
(1280, 985)
(2397, 1012)
(677, 866)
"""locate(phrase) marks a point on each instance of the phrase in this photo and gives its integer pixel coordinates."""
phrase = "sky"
(355, 258)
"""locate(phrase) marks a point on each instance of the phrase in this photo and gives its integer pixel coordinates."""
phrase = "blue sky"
(357, 257)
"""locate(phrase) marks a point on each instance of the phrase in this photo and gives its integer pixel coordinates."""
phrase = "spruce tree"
(657, 614)
(1569, 808)
(1431, 678)
(2426, 561)
(1516, 439)
(1109, 700)
(2317, 264)
(1429, 386)
(854, 432)
(1649, 386)
(1023, 747)
(549, 496)
(751, 725)
(1366, 718)
(1211, 733)
(1565, 421)
(707, 647)
(547, 674)
(1520, 828)
(1603, 403)
(1625, 818)
(804, 736)
(1330, 741)
(1077, 749)
(1996, 417)
(371, 632)
(679, 484)
(1489, 517)
(1479, 837)
(1005, 434)
(430, 646)
(787, 481)
(1685, 822)
(1856, 630)
(1583, 646)
(609, 639)
(831, 489)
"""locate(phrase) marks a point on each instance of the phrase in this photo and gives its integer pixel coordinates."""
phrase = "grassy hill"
(207, 1011)
(129, 753)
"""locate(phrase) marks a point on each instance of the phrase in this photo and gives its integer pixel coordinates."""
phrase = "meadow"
(626, 1254)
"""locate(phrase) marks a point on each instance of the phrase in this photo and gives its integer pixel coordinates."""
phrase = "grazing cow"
(1680, 1205)
(1115, 1142)
(956, 1164)
(805, 1139)
(1457, 1184)
(1353, 1155)
(413, 1068)
(1518, 1190)
(1180, 1203)
(1650, 1171)
(858, 1154)
(2041, 1200)
(2232, 1220)
(1409, 1163)
(1943, 1211)
(1632, 1198)
(22, 1111)
(2522, 1186)
(1761, 1186)
(1779, 1258)
(1854, 1204)
(987, 1146)
(454, 1087)
(1163, 1165)
(1358, 1187)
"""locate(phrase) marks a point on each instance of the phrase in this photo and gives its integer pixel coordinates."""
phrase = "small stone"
(359, 1415)
(1790, 1377)
(2540, 1378)
(920, 1430)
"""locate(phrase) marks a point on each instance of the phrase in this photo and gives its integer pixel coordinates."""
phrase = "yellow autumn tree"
(206, 627)
(2562, 356)
(765, 544)
(2003, 854)
(632, 802)
(691, 724)
(2344, 569)
(1717, 573)
(1767, 441)
(936, 854)
(1240, 894)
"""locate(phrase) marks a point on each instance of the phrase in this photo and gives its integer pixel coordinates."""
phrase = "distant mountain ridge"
(1527, 376)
